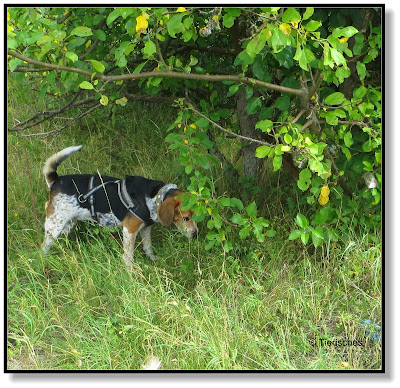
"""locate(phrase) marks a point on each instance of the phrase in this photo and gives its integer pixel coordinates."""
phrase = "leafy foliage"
(310, 76)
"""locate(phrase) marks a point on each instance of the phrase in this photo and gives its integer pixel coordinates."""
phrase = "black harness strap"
(131, 204)
(82, 198)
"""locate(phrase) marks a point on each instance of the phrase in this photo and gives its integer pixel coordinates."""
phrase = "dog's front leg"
(129, 246)
(146, 235)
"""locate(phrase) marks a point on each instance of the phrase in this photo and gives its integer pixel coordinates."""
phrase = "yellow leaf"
(141, 24)
(181, 9)
(323, 200)
(192, 126)
(343, 40)
(325, 191)
(285, 28)
(88, 43)
(294, 24)
(267, 32)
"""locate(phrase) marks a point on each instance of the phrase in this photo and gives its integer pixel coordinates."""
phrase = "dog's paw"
(154, 258)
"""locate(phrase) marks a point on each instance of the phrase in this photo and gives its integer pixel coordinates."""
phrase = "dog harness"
(130, 203)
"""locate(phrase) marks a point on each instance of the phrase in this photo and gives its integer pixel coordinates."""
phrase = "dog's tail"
(50, 167)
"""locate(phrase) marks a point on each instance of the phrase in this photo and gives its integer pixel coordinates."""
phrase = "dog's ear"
(166, 211)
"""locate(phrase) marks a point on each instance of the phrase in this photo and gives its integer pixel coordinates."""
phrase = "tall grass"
(260, 307)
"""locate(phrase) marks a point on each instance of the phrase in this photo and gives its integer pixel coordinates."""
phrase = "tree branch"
(171, 74)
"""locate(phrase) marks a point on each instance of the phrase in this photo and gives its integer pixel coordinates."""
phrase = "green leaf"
(139, 68)
(359, 92)
(243, 58)
(72, 56)
(251, 210)
(295, 234)
(304, 238)
(301, 220)
(188, 168)
(228, 20)
(233, 89)
(82, 31)
(98, 66)
(277, 162)
(14, 63)
(308, 13)
(346, 152)
(304, 179)
(244, 232)
(283, 103)
(312, 25)
(228, 246)
(256, 44)
(237, 203)
(331, 118)
(86, 85)
(348, 32)
(224, 201)
(104, 100)
(149, 48)
(233, 11)
(338, 57)
(44, 39)
(265, 125)
(291, 15)
(101, 35)
(113, 15)
(238, 219)
(334, 99)
(270, 233)
(317, 236)
(253, 106)
(262, 151)
(175, 25)
(361, 70)
(348, 139)
(287, 138)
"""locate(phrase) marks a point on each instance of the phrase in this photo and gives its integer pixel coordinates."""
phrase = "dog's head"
(170, 212)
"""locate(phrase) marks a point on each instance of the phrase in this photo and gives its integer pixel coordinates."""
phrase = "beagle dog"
(134, 203)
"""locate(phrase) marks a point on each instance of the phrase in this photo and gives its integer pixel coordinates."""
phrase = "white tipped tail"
(50, 167)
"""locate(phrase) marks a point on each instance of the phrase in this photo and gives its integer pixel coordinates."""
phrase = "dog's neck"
(154, 203)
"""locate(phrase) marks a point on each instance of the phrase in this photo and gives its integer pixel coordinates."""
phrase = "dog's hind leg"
(54, 226)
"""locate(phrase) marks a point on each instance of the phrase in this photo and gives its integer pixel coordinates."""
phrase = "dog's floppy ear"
(166, 211)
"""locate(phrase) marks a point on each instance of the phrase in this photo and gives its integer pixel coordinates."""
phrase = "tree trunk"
(247, 123)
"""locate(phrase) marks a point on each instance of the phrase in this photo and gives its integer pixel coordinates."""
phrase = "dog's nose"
(195, 233)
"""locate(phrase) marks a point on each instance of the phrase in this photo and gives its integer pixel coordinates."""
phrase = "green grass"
(256, 308)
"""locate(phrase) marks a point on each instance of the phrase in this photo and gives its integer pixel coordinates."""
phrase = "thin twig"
(48, 115)
(230, 132)
(66, 125)
(298, 116)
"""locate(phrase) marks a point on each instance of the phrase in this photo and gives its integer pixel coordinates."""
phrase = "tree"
(298, 86)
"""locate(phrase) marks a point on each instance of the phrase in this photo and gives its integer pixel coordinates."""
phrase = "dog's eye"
(185, 218)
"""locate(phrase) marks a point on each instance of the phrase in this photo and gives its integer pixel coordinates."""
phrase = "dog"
(134, 203)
